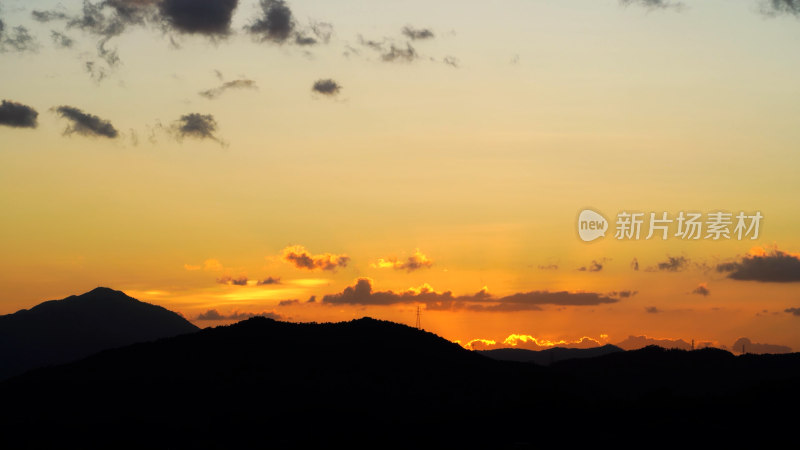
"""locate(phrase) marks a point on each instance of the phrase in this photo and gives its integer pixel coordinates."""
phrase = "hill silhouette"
(59, 331)
(549, 356)
(263, 383)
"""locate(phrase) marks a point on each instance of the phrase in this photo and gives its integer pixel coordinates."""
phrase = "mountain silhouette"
(549, 356)
(59, 331)
(263, 383)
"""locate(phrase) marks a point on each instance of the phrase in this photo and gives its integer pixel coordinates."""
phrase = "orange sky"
(460, 167)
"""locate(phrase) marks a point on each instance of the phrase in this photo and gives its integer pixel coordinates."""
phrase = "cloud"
(451, 61)
(209, 265)
(549, 267)
(635, 264)
(288, 302)
(361, 293)
(198, 126)
(407, 54)
(19, 40)
(595, 266)
(745, 345)
(235, 84)
(652, 310)
(622, 294)
(86, 124)
(672, 264)
(231, 281)
(17, 115)
(417, 33)
(793, 311)
(213, 314)
(531, 343)
(478, 344)
(414, 262)
(702, 289)
(268, 281)
(775, 7)
(276, 23)
(206, 17)
(48, 16)
(637, 342)
(653, 4)
(775, 266)
(61, 40)
(299, 257)
(326, 87)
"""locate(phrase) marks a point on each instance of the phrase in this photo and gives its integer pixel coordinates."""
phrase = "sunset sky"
(323, 161)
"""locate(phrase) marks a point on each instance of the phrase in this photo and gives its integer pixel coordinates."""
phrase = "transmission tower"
(419, 315)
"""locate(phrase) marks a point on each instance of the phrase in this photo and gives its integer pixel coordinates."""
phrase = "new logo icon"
(591, 225)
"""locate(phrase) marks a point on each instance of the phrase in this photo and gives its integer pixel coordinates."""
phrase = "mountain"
(549, 356)
(59, 331)
(267, 384)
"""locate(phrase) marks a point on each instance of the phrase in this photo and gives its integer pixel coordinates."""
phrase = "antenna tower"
(419, 315)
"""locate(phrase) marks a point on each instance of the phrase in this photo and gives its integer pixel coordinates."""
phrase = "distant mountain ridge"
(261, 383)
(549, 356)
(59, 331)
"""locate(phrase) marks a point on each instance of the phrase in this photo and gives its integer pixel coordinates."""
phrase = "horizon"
(368, 158)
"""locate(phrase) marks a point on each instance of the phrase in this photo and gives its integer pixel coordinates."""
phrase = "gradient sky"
(472, 157)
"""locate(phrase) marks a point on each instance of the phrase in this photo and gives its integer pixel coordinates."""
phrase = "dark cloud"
(213, 314)
(652, 310)
(672, 264)
(635, 264)
(19, 40)
(595, 266)
(235, 84)
(793, 311)
(549, 267)
(326, 87)
(48, 16)
(288, 302)
(774, 7)
(701, 289)
(776, 266)
(17, 115)
(269, 280)
(86, 124)
(206, 17)
(312, 299)
(61, 40)
(299, 257)
(304, 40)
(362, 294)
(275, 24)
(233, 281)
(399, 54)
(745, 345)
(623, 294)
(198, 126)
(417, 33)
(653, 4)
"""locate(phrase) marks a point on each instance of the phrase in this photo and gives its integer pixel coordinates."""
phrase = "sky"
(324, 161)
